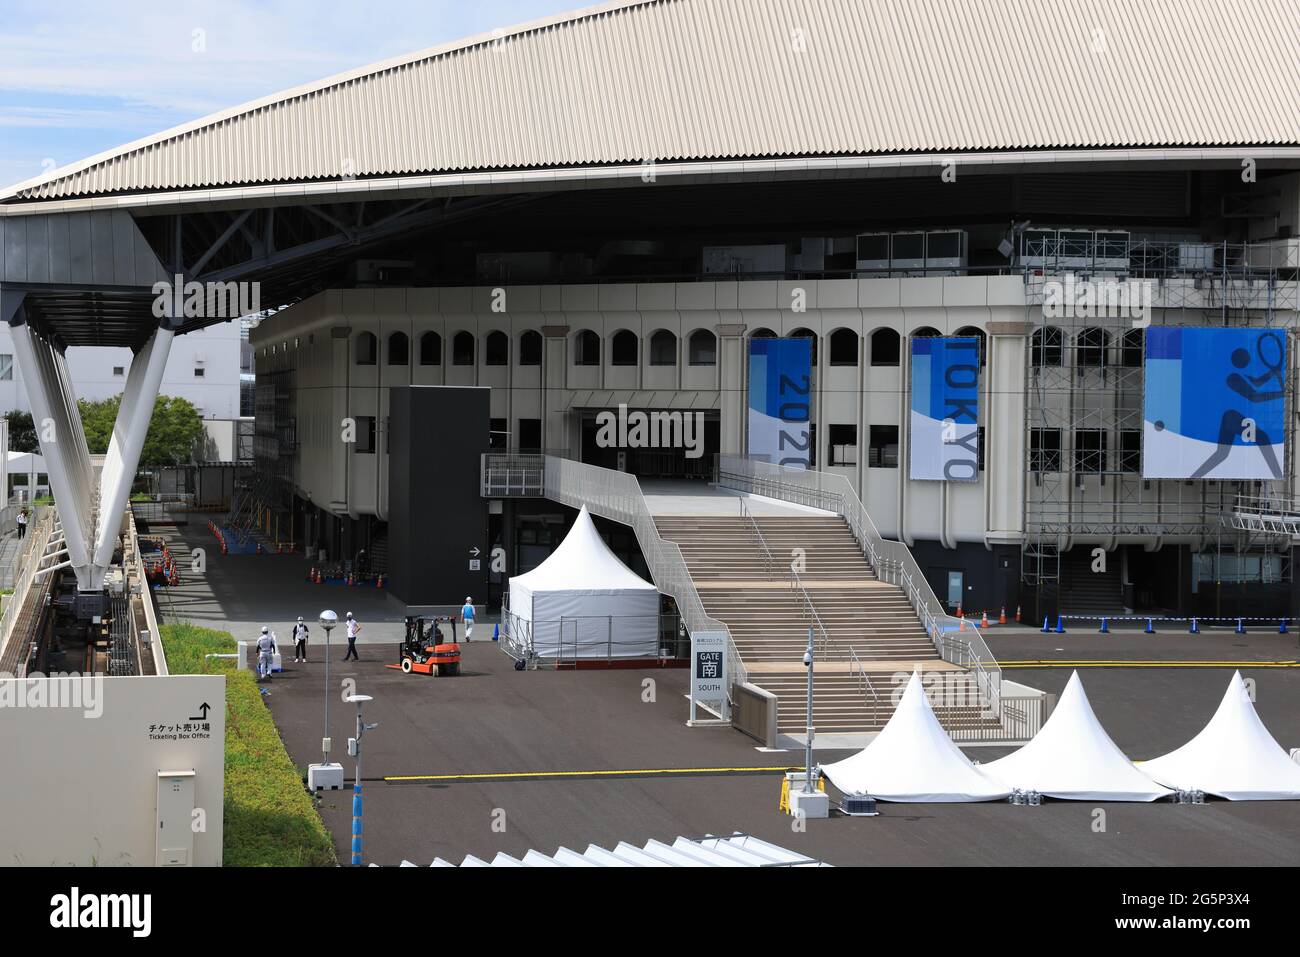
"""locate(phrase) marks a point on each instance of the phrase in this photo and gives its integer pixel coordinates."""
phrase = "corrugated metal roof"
(686, 80)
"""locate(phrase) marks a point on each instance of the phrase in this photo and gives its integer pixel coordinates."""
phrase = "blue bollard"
(496, 632)
(1281, 626)
(1046, 628)
(1150, 629)
(1060, 625)
(1104, 629)
(1195, 629)
(1241, 627)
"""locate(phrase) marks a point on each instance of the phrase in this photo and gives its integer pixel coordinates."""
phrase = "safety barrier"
(574, 639)
(1149, 622)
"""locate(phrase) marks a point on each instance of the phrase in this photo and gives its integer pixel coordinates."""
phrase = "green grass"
(270, 820)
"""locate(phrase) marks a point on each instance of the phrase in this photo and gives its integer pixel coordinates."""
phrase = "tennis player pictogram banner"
(943, 444)
(1215, 403)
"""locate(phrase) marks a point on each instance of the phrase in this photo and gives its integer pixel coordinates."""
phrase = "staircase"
(872, 633)
(1085, 592)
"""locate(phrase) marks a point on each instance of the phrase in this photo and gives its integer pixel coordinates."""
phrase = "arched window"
(462, 349)
(1047, 346)
(926, 332)
(623, 348)
(1090, 347)
(586, 348)
(844, 347)
(807, 334)
(886, 347)
(530, 348)
(663, 348)
(1130, 352)
(399, 349)
(496, 350)
(971, 332)
(430, 349)
(762, 334)
(367, 349)
(702, 348)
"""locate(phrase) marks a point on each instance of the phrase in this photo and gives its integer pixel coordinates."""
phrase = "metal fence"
(893, 562)
(617, 496)
(571, 639)
(34, 547)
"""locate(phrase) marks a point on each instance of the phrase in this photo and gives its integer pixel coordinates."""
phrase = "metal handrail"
(617, 496)
(756, 536)
(892, 561)
(39, 533)
(857, 667)
(796, 583)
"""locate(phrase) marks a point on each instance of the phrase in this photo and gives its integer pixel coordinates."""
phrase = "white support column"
(66, 467)
(124, 449)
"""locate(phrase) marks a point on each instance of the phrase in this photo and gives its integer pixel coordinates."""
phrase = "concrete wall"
(82, 782)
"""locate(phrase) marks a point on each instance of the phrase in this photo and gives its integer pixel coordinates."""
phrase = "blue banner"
(943, 444)
(1215, 403)
(780, 401)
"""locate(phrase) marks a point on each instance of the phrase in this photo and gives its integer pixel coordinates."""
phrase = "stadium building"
(600, 214)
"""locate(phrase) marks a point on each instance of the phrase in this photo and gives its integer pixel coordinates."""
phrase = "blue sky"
(81, 76)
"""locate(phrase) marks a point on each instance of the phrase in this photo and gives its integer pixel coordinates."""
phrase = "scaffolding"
(262, 503)
(1089, 297)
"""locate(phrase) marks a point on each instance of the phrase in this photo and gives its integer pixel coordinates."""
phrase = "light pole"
(808, 747)
(325, 774)
(354, 748)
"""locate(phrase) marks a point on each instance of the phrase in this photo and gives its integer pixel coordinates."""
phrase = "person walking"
(265, 654)
(300, 640)
(354, 629)
(467, 615)
(22, 523)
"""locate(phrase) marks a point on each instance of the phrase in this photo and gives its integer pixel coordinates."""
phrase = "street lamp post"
(808, 746)
(325, 774)
(354, 748)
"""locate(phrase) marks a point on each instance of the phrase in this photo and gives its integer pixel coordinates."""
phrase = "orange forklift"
(422, 651)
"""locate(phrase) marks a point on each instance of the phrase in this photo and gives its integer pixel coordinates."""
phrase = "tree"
(22, 432)
(174, 429)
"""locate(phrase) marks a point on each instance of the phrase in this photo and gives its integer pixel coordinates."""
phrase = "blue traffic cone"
(1281, 626)
(1046, 627)
(1150, 629)
(1195, 629)
(496, 632)
(1104, 629)
(1241, 627)
(1060, 625)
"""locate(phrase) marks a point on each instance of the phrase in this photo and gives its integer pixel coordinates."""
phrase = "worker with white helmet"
(300, 640)
(354, 629)
(265, 653)
(467, 615)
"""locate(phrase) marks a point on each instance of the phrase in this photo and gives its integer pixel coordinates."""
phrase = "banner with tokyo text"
(780, 393)
(943, 444)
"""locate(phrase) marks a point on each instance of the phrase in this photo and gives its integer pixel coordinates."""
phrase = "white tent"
(1072, 756)
(914, 760)
(582, 602)
(1234, 756)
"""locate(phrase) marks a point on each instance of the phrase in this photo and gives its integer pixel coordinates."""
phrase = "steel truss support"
(90, 512)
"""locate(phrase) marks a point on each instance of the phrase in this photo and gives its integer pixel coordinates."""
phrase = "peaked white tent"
(913, 760)
(1072, 756)
(1234, 756)
(582, 602)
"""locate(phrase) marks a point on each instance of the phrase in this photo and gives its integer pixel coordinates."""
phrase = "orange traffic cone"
(1002, 618)
(1017, 613)
(984, 619)
(961, 626)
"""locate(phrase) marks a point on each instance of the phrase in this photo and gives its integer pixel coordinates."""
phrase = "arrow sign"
(474, 551)
(205, 707)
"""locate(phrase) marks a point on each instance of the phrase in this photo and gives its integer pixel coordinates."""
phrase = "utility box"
(175, 844)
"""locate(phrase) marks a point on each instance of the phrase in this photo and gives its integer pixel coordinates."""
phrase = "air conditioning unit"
(1111, 251)
(907, 254)
(1279, 254)
(1037, 249)
(873, 253)
(744, 260)
(946, 252)
(1075, 251)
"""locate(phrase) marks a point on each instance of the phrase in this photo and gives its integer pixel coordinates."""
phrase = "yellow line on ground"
(1121, 663)
(581, 774)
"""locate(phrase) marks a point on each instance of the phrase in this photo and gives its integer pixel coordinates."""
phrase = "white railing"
(135, 567)
(617, 496)
(892, 561)
(34, 546)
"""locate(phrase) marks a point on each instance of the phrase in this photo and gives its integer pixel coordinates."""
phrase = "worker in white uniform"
(300, 640)
(265, 653)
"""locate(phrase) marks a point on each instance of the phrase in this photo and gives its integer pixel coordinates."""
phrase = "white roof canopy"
(1234, 756)
(1072, 756)
(582, 564)
(914, 760)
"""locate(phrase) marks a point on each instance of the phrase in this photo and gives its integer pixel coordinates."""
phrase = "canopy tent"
(1073, 757)
(1234, 756)
(582, 602)
(913, 760)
